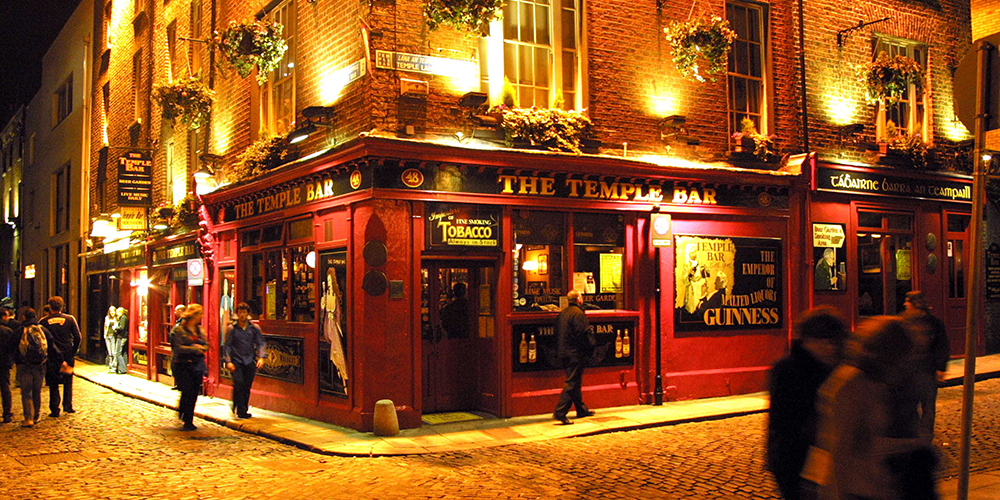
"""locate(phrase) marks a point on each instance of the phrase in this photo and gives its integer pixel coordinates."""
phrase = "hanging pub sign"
(132, 218)
(536, 346)
(463, 226)
(135, 179)
(855, 181)
(727, 284)
(179, 252)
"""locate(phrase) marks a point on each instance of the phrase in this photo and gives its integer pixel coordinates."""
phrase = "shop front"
(877, 234)
(109, 284)
(166, 285)
(382, 271)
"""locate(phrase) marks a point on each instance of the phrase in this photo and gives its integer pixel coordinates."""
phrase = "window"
(137, 84)
(278, 94)
(176, 174)
(195, 47)
(958, 226)
(102, 178)
(540, 260)
(747, 71)
(884, 261)
(106, 103)
(62, 101)
(540, 53)
(60, 200)
(279, 281)
(196, 146)
(908, 115)
(106, 25)
(172, 69)
(62, 271)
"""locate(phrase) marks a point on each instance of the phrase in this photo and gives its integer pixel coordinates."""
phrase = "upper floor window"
(60, 199)
(106, 24)
(278, 95)
(539, 53)
(62, 101)
(196, 33)
(908, 114)
(172, 69)
(747, 71)
(137, 84)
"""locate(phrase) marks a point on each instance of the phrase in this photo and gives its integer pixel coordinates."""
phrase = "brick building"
(349, 248)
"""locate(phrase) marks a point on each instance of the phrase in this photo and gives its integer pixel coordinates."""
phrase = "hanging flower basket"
(186, 213)
(701, 46)
(465, 15)
(252, 44)
(887, 78)
(188, 99)
(553, 129)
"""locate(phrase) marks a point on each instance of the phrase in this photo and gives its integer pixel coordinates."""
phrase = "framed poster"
(333, 368)
(830, 257)
(227, 311)
(725, 283)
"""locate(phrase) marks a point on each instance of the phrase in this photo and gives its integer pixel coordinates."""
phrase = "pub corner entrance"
(458, 331)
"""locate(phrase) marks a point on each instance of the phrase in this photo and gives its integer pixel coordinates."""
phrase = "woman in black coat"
(189, 345)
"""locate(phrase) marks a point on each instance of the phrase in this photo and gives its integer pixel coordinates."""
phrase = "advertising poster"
(829, 257)
(611, 273)
(333, 372)
(727, 284)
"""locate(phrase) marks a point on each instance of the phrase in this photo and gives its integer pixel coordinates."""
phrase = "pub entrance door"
(458, 329)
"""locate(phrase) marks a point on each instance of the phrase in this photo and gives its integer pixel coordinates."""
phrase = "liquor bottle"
(618, 345)
(532, 350)
(524, 349)
(626, 345)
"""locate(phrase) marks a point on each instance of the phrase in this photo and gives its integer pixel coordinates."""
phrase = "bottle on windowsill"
(626, 345)
(532, 350)
(618, 345)
(523, 348)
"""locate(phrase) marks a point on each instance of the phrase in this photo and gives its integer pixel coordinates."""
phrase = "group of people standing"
(116, 339)
(852, 415)
(44, 349)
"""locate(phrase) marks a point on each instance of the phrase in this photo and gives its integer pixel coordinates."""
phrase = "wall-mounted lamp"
(102, 227)
(160, 225)
(850, 130)
(316, 117)
(203, 173)
(674, 131)
(302, 133)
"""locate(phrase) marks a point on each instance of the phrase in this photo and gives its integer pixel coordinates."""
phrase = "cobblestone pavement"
(116, 447)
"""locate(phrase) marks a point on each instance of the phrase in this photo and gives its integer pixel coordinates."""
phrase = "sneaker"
(8, 419)
(585, 413)
(189, 427)
(28, 423)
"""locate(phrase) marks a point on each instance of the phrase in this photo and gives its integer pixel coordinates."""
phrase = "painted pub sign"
(451, 225)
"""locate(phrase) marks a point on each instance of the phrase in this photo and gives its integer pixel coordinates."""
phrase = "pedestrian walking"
(930, 355)
(189, 345)
(868, 445)
(66, 340)
(31, 357)
(121, 341)
(244, 351)
(795, 380)
(576, 343)
(110, 325)
(8, 345)
(179, 313)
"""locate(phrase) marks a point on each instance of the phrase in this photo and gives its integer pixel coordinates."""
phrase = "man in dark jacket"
(121, 341)
(66, 337)
(576, 344)
(930, 353)
(795, 381)
(244, 353)
(8, 344)
(31, 368)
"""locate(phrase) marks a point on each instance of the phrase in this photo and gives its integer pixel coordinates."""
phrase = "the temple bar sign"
(135, 179)
(849, 181)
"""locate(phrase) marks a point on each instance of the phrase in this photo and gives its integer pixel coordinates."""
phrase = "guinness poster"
(727, 284)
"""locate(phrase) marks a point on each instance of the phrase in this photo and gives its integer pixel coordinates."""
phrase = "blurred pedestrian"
(8, 345)
(868, 446)
(189, 345)
(62, 355)
(576, 343)
(930, 355)
(121, 341)
(179, 313)
(795, 380)
(31, 357)
(46, 312)
(110, 325)
(244, 353)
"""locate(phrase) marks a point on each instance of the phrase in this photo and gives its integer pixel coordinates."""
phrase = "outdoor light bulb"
(530, 265)
(115, 215)
(987, 157)
(311, 259)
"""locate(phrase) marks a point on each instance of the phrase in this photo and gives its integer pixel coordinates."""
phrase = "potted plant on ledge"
(752, 145)
(188, 99)
(701, 41)
(252, 43)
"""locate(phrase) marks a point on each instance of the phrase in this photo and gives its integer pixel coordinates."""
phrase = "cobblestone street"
(116, 447)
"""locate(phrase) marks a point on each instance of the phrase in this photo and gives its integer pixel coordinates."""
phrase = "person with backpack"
(62, 355)
(31, 355)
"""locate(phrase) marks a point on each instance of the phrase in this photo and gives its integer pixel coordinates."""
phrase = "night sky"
(28, 28)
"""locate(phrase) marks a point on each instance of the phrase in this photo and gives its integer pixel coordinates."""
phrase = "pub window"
(61, 200)
(278, 93)
(303, 284)
(172, 66)
(539, 240)
(599, 259)
(885, 267)
(747, 69)
(279, 280)
(958, 225)
(908, 114)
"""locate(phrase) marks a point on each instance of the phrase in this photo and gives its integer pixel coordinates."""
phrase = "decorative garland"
(555, 129)
(465, 15)
(188, 99)
(887, 78)
(252, 43)
(707, 40)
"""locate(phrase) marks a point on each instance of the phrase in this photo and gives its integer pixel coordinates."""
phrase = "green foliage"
(909, 149)
(508, 95)
(261, 156)
(188, 99)
(763, 146)
(701, 40)
(887, 78)
(555, 129)
(252, 43)
(186, 212)
(465, 15)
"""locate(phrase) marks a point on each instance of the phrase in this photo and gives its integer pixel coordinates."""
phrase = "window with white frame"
(172, 69)
(137, 84)
(908, 114)
(539, 52)
(747, 72)
(277, 101)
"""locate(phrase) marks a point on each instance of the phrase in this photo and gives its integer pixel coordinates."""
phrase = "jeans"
(242, 381)
(5, 390)
(112, 362)
(927, 387)
(30, 377)
(188, 379)
(121, 355)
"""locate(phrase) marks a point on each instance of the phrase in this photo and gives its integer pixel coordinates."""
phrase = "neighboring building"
(349, 250)
(56, 172)
(12, 151)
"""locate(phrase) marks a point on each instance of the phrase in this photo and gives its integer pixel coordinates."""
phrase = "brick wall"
(985, 18)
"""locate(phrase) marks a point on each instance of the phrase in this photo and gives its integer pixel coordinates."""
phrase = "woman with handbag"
(189, 345)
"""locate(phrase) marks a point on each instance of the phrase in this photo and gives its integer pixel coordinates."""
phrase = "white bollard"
(385, 421)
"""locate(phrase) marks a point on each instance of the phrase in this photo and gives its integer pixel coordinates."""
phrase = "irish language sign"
(832, 179)
(727, 284)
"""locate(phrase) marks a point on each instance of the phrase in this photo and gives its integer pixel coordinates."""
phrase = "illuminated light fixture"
(302, 133)
(316, 116)
(987, 157)
(311, 259)
(116, 215)
(459, 136)
(102, 227)
(29, 271)
(530, 265)
(160, 225)
(203, 173)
